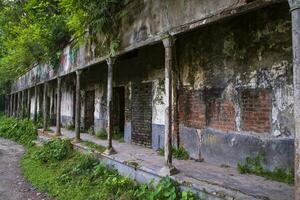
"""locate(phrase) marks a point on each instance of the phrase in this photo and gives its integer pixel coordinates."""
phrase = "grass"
(81, 177)
(21, 131)
(102, 134)
(57, 169)
(255, 165)
(179, 153)
(94, 146)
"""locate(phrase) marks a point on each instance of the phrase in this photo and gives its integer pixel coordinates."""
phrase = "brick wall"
(256, 110)
(192, 108)
(142, 114)
(221, 115)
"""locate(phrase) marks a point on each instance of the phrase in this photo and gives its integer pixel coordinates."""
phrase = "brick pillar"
(35, 103)
(168, 168)
(28, 103)
(295, 12)
(45, 107)
(77, 107)
(58, 107)
(110, 62)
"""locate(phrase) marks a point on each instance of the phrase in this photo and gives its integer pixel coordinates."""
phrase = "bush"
(101, 134)
(179, 153)
(255, 165)
(21, 131)
(54, 150)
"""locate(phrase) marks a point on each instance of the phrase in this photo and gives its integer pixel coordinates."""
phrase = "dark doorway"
(142, 114)
(89, 110)
(118, 112)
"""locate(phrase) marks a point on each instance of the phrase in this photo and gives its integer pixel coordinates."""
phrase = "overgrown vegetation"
(179, 153)
(35, 31)
(94, 146)
(116, 135)
(77, 176)
(255, 165)
(21, 131)
(54, 150)
(56, 168)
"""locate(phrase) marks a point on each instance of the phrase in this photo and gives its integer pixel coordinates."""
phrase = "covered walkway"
(212, 182)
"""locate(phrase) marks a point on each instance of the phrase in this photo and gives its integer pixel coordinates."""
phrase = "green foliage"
(31, 32)
(80, 176)
(54, 150)
(21, 131)
(35, 31)
(179, 153)
(101, 134)
(255, 165)
(93, 146)
(95, 20)
(70, 127)
(90, 131)
(116, 135)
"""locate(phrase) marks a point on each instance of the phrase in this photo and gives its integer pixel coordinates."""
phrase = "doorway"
(89, 110)
(118, 111)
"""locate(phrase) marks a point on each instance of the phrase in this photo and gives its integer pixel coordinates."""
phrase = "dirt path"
(12, 185)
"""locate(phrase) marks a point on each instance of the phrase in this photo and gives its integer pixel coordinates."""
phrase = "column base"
(58, 134)
(76, 140)
(109, 151)
(168, 171)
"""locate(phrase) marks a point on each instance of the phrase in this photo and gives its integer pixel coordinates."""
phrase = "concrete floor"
(224, 183)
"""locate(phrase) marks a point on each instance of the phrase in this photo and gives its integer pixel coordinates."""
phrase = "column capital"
(294, 4)
(78, 72)
(110, 60)
(167, 40)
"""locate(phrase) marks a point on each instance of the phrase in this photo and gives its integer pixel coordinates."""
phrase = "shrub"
(179, 153)
(101, 134)
(255, 165)
(21, 131)
(54, 150)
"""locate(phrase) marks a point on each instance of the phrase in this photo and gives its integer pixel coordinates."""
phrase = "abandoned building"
(217, 77)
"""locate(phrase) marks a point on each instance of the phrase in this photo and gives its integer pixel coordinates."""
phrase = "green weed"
(255, 165)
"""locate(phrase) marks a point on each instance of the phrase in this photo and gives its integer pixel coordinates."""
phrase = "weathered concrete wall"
(236, 78)
(144, 24)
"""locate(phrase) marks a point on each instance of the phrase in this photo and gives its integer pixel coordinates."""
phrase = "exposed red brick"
(221, 114)
(192, 108)
(256, 110)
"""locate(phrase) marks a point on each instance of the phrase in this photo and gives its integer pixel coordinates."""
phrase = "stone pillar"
(110, 62)
(77, 107)
(45, 107)
(13, 105)
(28, 103)
(23, 104)
(10, 104)
(6, 104)
(295, 12)
(35, 117)
(58, 107)
(168, 168)
(18, 104)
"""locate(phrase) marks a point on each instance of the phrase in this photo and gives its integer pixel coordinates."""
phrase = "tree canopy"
(35, 31)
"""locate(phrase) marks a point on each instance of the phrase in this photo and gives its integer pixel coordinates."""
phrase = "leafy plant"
(255, 165)
(101, 134)
(54, 150)
(94, 146)
(70, 127)
(179, 153)
(21, 131)
(91, 131)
